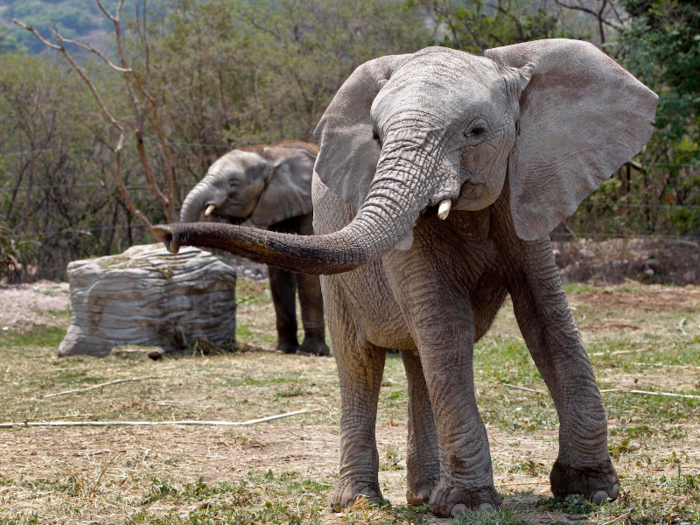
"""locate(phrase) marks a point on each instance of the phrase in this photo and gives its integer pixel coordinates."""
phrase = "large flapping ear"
(287, 190)
(348, 151)
(582, 116)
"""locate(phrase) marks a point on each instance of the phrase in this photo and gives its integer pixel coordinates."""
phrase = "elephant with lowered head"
(271, 187)
(439, 178)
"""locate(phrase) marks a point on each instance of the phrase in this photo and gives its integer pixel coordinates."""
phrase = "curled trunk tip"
(164, 233)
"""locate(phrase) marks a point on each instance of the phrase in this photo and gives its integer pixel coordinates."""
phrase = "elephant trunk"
(393, 205)
(194, 202)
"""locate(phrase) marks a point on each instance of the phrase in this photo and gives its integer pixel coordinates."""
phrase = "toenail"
(615, 491)
(599, 497)
(484, 506)
(459, 509)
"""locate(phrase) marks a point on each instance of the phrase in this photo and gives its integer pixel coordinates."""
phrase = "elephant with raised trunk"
(270, 186)
(439, 178)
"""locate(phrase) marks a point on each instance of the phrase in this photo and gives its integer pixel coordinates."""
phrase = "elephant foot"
(419, 491)
(288, 347)
(596, 484)
(349, 490)
(313, 346)
(452, 500)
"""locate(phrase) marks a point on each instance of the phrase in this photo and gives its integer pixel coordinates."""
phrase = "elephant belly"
(372, 305)
(486, 300)
(365, 291)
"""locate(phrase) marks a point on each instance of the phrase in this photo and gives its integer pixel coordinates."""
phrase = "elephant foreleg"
(311, 302)
(583, 465)
(442, 326)
(283, 289)
(423, 460)
(360, 369)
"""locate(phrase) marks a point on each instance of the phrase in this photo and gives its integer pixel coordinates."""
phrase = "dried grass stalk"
(149, 423)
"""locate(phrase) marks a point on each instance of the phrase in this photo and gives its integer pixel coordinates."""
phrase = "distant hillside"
(75, 18)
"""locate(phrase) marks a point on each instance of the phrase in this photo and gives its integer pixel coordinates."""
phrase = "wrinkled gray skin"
(271, 187)
(515, 140)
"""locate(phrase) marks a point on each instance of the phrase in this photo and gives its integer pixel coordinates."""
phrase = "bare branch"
(120, 144)
(37, 35)
(114, 18)
(597, 15)
(167, 202)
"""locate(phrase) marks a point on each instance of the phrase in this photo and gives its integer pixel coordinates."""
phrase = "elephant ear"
(287, 191)
(582, 116)
(348, 151)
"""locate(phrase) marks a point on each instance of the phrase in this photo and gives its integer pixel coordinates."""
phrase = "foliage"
(56, 164)
(661, 46)
(659, 194)
(266, 71)
(8, 43)
(476, 25)
(230, 73)
(70, 16)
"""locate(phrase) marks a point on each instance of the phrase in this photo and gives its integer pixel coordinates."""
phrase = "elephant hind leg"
(283, 288)
(583, 465)
(311, 301)
(423, 458)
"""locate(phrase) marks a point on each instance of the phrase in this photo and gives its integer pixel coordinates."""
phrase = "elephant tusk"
(209, 209)
(444, 209)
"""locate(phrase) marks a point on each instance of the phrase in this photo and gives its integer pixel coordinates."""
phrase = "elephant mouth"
(236, 220)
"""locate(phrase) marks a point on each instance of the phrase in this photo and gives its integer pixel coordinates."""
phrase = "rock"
(150, 297)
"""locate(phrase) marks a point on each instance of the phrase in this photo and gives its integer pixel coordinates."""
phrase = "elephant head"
(266, 184)
(445, 128)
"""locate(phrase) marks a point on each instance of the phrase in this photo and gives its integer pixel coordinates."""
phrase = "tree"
(476, 25)
(661, 46)
(8, 43)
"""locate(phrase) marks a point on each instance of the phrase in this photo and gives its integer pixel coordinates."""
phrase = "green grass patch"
(39, 336)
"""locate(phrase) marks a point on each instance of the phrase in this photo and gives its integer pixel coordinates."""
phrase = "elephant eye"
(476, 133)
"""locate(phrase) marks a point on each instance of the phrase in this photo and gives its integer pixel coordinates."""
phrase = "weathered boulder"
(148, 296)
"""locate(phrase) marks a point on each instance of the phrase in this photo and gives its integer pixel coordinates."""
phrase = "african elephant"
(511, 142)
(271, 187)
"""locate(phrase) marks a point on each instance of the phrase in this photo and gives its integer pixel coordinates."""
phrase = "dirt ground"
(644, 338)
(25, 305)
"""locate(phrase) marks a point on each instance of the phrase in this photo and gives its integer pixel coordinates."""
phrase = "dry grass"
(283, 471)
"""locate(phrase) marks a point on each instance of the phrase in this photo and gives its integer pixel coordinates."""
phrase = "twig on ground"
(93, 387)
(620, 352)
(525, 483)
(619, 518)
(647, 393)
(150, 423)
(516, 387)
(618, 390)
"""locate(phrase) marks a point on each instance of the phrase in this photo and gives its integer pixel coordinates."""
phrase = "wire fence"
(78, 231)
(39, 151)
(70, 186)
(610, 207)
